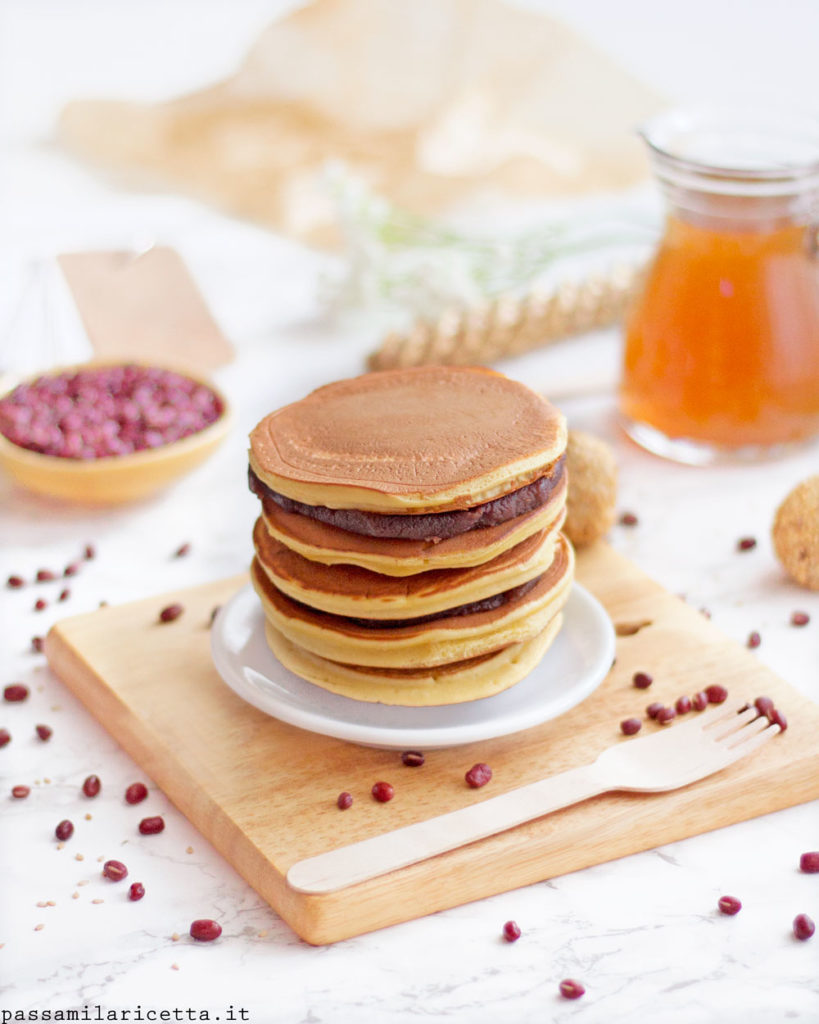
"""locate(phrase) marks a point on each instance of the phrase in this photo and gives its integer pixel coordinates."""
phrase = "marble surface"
(643, 934)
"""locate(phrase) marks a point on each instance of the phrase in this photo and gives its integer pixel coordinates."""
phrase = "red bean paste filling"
(427, 526)
(486, 604)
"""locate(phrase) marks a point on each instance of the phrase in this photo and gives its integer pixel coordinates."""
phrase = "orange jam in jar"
(721, 353)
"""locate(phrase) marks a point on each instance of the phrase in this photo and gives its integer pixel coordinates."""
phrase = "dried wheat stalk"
(509, 326)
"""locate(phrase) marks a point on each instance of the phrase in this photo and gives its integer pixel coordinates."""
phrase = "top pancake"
(425, 439)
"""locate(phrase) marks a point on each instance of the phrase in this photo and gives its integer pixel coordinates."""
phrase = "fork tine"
(753, 735)
(708, 718)
(730, 723)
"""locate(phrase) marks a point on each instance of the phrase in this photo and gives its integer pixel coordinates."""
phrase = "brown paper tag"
(146, 307)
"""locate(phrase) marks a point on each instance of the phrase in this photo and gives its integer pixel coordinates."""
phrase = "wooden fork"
(669, 759)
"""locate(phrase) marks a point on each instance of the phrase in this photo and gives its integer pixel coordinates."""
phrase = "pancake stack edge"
(408, 549)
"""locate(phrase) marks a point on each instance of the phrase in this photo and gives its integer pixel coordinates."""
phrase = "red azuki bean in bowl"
(99, 412)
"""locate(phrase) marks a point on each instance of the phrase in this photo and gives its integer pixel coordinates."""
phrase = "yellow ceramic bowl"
(115, 479)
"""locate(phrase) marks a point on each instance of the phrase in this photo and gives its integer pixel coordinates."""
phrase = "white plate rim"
(582, 607)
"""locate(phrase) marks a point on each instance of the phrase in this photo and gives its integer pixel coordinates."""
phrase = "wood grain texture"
(264, 792)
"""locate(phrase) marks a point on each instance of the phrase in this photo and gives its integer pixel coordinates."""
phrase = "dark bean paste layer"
(484, 605)
(428, 526)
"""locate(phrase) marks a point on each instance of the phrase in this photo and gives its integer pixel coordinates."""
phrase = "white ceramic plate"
(572, 668)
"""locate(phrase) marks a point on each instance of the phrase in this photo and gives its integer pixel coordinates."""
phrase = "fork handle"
(389, 851)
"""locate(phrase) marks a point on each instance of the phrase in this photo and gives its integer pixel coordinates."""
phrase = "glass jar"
(721, 353)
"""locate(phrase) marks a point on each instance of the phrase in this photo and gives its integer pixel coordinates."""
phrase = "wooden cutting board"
(264, 792)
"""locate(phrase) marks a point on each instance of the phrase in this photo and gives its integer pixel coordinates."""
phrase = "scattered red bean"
(764, 705)
(171, 612)
(699, 701)
(15, 582)
(511, 931)
(89, 552)
(136, 793)
(136, 891)
(40, 604)
(777, 718)
(115, 870)
(666, 715)
(628, 519)
(800, 618)
(15, 692)
(152, 826)
(571, 989)
(642, 680)
(344, 800)
(106, 411)
(803, 927)
(71, 570)
(45, 576)
(64, 595)
(809, 862)
(37, 644)
(754, 640)
(92, 786)
(5, 737)
(65, 830)
(682, 705)
(716, 694)
(478, 775)
(182, 550)
(20, 792)
(729, 905)
(412, 758)
(629, 726)
(746, 543)
(382, 792)
(205, 930)
(654, 709)
(44, 732)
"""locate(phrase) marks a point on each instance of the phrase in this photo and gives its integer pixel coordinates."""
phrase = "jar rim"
(734, 148)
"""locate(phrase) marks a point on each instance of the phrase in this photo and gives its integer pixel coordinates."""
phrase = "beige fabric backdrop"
(428, 100)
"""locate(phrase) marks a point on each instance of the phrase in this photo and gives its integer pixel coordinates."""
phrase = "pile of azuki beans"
(106, 411)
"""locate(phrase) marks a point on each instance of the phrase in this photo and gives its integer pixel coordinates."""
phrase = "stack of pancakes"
(409, 548)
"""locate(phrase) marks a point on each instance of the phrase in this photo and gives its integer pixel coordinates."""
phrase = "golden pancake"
(329, 545)
(455, 683)
(446, 639)
(353, 591)
(425, 439)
